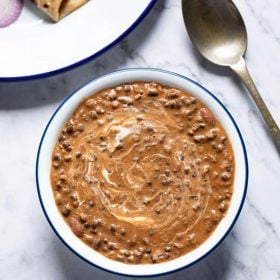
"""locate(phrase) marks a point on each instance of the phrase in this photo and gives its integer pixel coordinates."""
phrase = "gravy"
(142, 173)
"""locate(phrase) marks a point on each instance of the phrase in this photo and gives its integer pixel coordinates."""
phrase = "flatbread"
(58, 9)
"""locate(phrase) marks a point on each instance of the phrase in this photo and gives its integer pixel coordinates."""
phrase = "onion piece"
(9, 11)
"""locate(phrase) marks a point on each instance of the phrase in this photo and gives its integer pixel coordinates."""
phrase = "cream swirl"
(141, 169)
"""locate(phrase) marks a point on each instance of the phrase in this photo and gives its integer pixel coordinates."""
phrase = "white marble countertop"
(29, 248)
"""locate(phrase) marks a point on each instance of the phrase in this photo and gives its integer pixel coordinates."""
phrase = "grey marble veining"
(28, 247)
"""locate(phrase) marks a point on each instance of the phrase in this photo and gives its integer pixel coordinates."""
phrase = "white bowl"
(50, 136)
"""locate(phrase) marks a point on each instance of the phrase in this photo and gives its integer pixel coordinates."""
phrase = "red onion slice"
(9, 11)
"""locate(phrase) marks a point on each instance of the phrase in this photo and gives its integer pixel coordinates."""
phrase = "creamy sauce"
(143, 173)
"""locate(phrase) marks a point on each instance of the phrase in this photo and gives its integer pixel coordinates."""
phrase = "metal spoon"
(217, 30)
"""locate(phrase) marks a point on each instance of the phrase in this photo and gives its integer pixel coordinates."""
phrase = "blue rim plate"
(13, 55)
(241, 176)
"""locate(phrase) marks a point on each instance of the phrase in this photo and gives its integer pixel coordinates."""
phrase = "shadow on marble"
(205, 64)
(217, 69)
(214, 266)
(223, 71)
(35, 93)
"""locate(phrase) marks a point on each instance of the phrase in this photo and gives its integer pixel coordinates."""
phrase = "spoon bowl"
(218, 32)
(219, 35)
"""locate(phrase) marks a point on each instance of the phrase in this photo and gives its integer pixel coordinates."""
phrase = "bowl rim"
(244, 156)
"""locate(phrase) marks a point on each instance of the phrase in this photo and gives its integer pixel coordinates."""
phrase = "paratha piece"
(58, 9)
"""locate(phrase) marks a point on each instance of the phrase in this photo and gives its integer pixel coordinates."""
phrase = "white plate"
(34, 46)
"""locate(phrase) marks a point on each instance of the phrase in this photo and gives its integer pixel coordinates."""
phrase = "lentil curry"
(142, 173)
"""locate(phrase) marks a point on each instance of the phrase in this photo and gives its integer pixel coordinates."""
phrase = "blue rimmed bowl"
(50, 136)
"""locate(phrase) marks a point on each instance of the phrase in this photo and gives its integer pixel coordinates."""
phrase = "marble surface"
(28, 247)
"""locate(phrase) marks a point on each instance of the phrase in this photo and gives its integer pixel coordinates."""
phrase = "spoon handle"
(241, 70)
